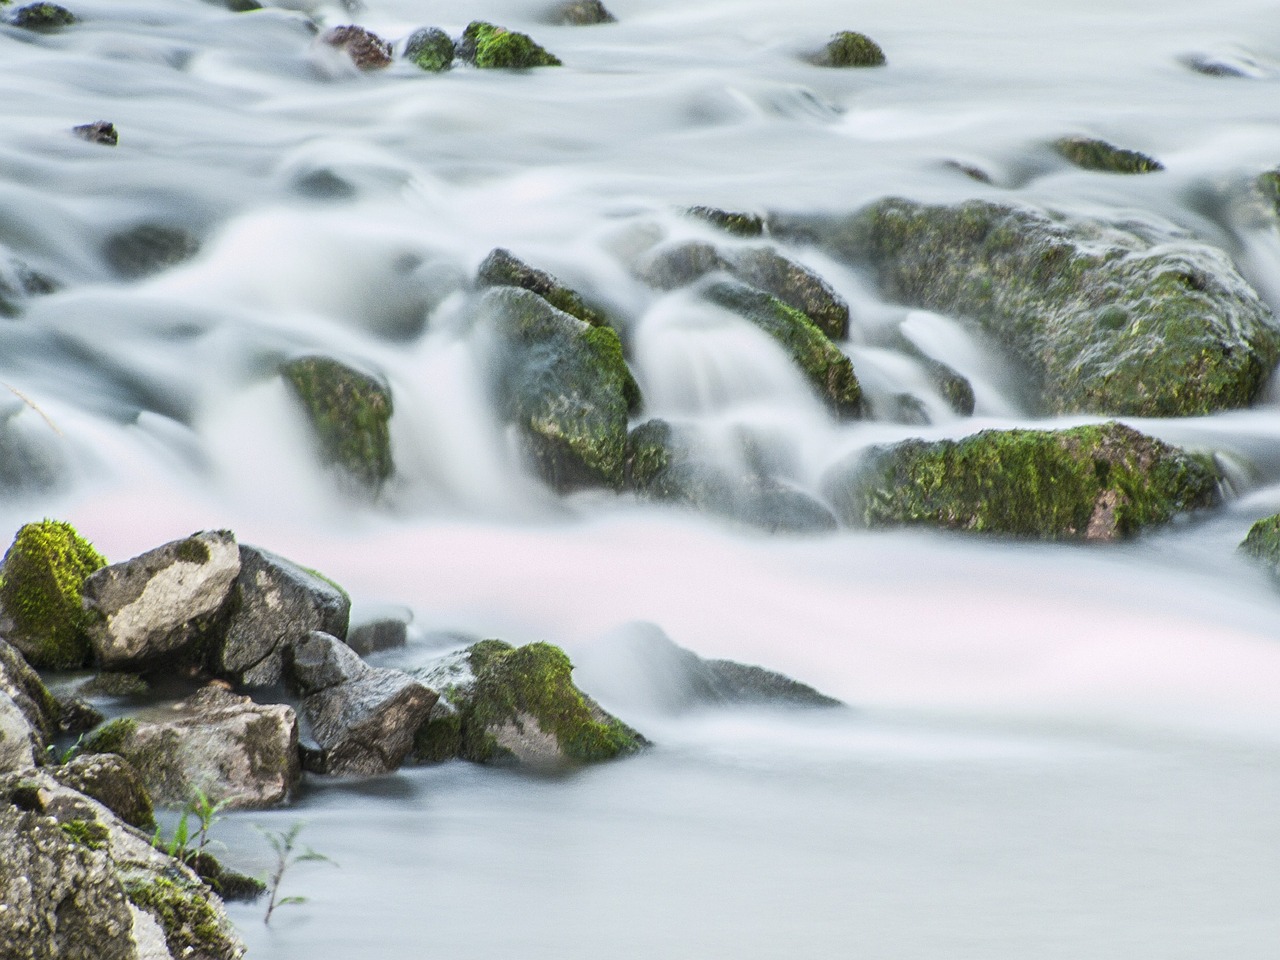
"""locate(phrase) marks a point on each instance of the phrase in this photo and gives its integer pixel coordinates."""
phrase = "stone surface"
(387, 633)
(164, 605)
(1262, 543)
(738, 224)
(43, 17)
(20, 744)
(274, 603)
(24, 687)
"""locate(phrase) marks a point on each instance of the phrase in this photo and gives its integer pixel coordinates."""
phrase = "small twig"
(31, 403)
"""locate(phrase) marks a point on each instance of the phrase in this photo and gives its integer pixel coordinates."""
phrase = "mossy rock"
(192, 927)
(488, 46)
(1093, 154)
(565, 385)
(737, 224)
(520, 705)
(44, 17)
(827, 369)
(848, 48)
(148, 248)
(431, 49)
(349, 412)
(1104, 319)
(501, 268)
(582, 13)
(954, 386)
(1262, 543)
(40, 583)
(1097, 482)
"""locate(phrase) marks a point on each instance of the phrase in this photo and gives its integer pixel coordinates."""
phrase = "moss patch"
(1104, 157)
(87, 833)
(488, 46)
(190, 924)
(1263, 542)
(40, 582)
(111, 737)
(848, 48)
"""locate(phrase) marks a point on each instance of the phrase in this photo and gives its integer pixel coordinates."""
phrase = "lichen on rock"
(487, 46)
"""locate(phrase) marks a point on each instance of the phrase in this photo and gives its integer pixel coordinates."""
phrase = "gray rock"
(363, 718)
(25, 688)
(236, 751)
(275, 602)
(163, 605)
(20, 745)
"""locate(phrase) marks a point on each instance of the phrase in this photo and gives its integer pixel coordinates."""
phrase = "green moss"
(349, 412)
(431, 49)
(192, 550)
(111, 736)
(648, 453)
(738, 224)
(850, 49)
(1104, 157)
(1097, 482)
(87, 833)
(1263, 542)
(489, 46)
(184, 912)
(40, 583)
(828, 370)
(44, 17)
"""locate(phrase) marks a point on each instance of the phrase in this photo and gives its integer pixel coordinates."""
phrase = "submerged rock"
(1097, 482)
(1092, 154)
(19, 282)
(41, 579)
(565, 385)
(148, 248)
(349, 412)
(488, 46)
(1105, 319)
(431, 49)
(583, 13)
(502, 269)
(738, 224)
(236, 751)
(43, 17)
(849, 48)
(162, 606)
(501, 704)
(100, 131)
(367, 50)
(1262, 543)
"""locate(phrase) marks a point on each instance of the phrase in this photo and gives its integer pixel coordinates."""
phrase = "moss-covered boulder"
(738, 224)
(502, 704)
(1133, 321)
(848, 48)
(501, 268)
(827, 369)
(1262, 543)
(349, 412)
(367, 50)
(43, 17)
(148, 248)
(487, 46)
(1098, 482)
(431, 49)
(564, 384)
(582, 13)
(41, 579)
(1093, 154)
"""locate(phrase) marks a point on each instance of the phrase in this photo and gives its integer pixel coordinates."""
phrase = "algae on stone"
(1093, 154)
(488, 46)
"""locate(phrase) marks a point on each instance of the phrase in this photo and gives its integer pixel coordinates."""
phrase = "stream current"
(1053, 751)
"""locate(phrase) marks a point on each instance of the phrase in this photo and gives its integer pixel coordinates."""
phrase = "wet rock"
(242, 6)
(738, 224)
(828, 370)
(275, 603)
(795, 285)
(970, 170)
(384, 634)
(678, 265)
(1093, 154)
(41, 579)
(1262, 543)
(1137, 321)
(148, 248)
(953, 385)
(77, 716)
(910, 409)
(564, 385)
(1212, 65)
(114, 684)
(27, 691)
(111, 780)
(500, 704)
(849, 48)
(18, 283)
(1097, 482)
(363, 718)
(583, 13)
(502, 269)
(366, 50)
(238, 752)
(100, 131)
(20, 743)
(431, 49)
(488, 46)
(43, 17)
(349, 412)
(163, 606)
(323, 185)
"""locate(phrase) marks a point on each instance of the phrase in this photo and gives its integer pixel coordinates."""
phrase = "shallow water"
(1053, 751)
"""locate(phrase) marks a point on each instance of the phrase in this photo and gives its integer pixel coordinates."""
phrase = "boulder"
(112, 781)
(275, 602)
(43, 17)
(163, 606)
(349, 412)
(1092, 154)
(1097, 482)
(101, 132)
(431, 49)
(564, 385)
(237, 752)
(1262, 543)
(502, 269)
(849, 48)
(148, 248)
(367, 50)
(363, 718)
(488, 46)
(1135, 320)
(501, 704)
(582, 13)
(40, 605)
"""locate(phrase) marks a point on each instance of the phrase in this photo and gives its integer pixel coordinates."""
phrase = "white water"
(1056, 752)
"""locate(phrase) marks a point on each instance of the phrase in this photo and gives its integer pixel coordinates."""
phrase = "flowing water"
(1054, 751)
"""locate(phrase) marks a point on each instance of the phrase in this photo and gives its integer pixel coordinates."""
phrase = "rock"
(18, 282)
(910, 409)
(431, 49)
(27, 691)
(20, 743)
(738, 224)
(663, 464)
(109, 684)
(77, 716)
(828, 370)
(565, 385)
(366, 50)
(1092, 154)
(111, 780)
(43, 17)
(502, 269)
(849, 49)
(500, 704)
(1262, 543)
(323, 185)
(40, 606)
(242, 6)
(100, 131)
(953, 385)
(1231, 65)
(275, 603)
(1097, 482)
(363, 718)
(148, 248)
(238, 752)
(164, 606)
(349, 412)
(1134, 321)
(78, 883)
(583, 13)
(487, 46)
(678, 265)
(378, 635)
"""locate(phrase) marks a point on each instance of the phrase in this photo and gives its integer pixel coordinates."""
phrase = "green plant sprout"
(186, 845)
(284, 843)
